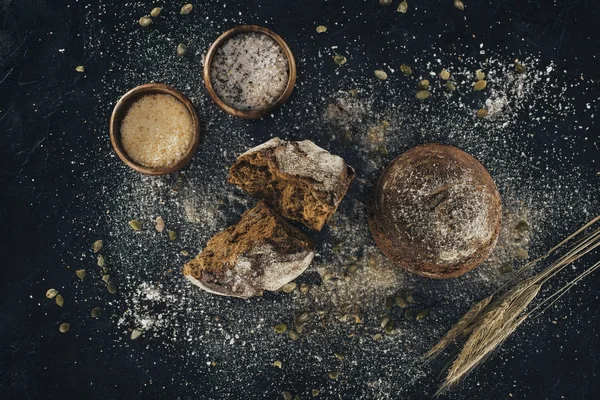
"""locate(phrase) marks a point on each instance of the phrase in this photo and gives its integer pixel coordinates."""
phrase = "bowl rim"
(261, 112)
(120, 110)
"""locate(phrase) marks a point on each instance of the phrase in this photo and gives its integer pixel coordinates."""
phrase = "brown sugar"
(261, 252)
(300, 180)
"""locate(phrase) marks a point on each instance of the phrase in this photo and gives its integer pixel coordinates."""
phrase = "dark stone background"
(41, 98)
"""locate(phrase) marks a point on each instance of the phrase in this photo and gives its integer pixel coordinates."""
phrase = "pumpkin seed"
(339, 356)
(294, 335)
(299, 328)
(352, 269)
(60, 301)
(381, 74)
(450, 86)
(423, 84)
(506, 269)
(422, 94)
(409, 314)
(97, 246)
(410, 298)
(334, 374)
(479, 85)
(522, 254)
(184, 253)
(51, 293)
(315, 392)
(482, 112)
(384, 321)
(339, 59)
(372, 261)
(321, 29)
(445, 75)
(280, 328)
(421, 315)
(186, 9)
(389, 303)
(145, 21)
(389, 328)
(181, 49)
(64, 327)
(96, 312)
(401, 302)
(101, 260)
(135, 225)
(136, 333)
(80, 273)
(159, 224)
(287, 396)
(80, 68)
(383, 151)
(459, 5)
(105, 278)
(522, 226)
(377, 336)
(303, 317)
(353, 92)
(288, 287)
(304, 288)
(172, 235)
(520, 68)
(112, 288)
(155, 12)
(403, 7)
(346, 139)
(406, 70)
(278, 364)
(385, 2)
(479, 75)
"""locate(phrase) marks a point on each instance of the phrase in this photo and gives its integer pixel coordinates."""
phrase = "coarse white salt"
(249, 71)
(157, 131)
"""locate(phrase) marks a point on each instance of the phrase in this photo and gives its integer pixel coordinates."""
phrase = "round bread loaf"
(436, 211)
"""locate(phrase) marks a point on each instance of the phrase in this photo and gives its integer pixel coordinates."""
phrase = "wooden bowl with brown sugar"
(224, 79)
(154, 129)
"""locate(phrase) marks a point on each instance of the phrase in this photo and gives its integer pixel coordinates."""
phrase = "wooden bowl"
(261, 112)
(120, 111)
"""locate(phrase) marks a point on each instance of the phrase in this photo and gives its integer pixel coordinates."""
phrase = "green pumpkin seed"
(450, 86)
(280, 328)
(184, 253)
(288, 287)
(315, 392)
(352, 269)
(101, 260)
(520, 68)
(410, 298)
(64, 327)
(96, 312)
(522, 254)
(181, 49)
(278, 364)
(459, 5)
(385, 2)
(506, 269)
(381, 74)
(80, 273)
(155, 12)
(51, 293)
(389, 328)
(389, 303)
(403, 7)
(353, 92)
(159, 224)
(409, 314)
(321, 29)
(97, 246)
(372, 261)
(80, 68)
(334, 374)
(479, 75)
(60, 301)
(339, 356)
(172, 235)
(186, 9)
(377, 336)
(105, 278)
(135, 225)
(339, 59)
(294, 335)
(445, 75)
(421, 315)
(406, 70)
(479, 85)
(522, 226)
(304, 288)
(287, 396)
(303, 317)
(401, 302)
(423, 84)
(112, 288)
(145, 21)
(136, 333)
(346, 139)
(384, 321)
(422, 94)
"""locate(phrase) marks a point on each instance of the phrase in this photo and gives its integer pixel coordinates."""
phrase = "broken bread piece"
(262, 251)
(300, 180)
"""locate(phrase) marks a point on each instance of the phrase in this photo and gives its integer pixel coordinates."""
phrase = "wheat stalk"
(488, 324)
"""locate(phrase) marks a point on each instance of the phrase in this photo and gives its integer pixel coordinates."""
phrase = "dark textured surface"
(46, 114)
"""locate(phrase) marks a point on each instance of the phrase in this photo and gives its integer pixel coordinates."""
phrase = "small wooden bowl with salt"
(249, 71)
(154, 129)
